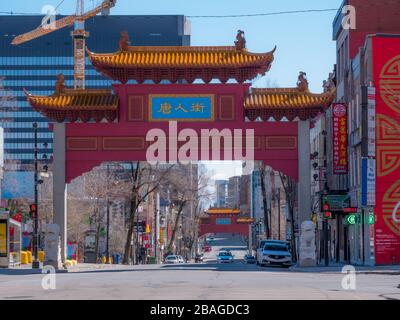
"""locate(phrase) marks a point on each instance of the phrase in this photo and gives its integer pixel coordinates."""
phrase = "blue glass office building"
(34, 65)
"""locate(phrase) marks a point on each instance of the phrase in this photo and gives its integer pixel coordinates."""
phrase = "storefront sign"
(340, 161)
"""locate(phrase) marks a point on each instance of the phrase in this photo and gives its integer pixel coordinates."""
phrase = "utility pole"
(156, 225)
(137, 239)
(35, 262)
(279, 213)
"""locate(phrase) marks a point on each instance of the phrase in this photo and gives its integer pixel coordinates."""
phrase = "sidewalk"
(337, 268)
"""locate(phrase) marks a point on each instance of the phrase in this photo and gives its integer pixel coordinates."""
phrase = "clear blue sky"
(304, 40)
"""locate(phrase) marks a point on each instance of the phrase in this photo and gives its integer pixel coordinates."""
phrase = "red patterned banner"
(340, 161)
(386, 62)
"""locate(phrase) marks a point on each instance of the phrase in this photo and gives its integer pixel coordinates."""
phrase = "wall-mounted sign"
(181, 107)
(368, 182)
(340, 161)
(336, 202)
(223, 221)
(371, 122)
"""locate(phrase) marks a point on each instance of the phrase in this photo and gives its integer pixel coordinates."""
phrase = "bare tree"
(265, 199)
(90, 195)
(289, 186)
(144, 180)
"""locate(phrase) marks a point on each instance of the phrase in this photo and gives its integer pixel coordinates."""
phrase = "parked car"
(172, 259)
(248, 258)
(262, 244)
(181, 259)
(224, 257)
(275, 254)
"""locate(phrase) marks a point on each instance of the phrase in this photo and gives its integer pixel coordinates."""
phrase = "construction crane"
(79, 34)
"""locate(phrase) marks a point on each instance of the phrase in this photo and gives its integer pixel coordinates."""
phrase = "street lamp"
(35, 262)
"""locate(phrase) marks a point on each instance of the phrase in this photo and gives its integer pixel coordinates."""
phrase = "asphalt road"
(209, 280)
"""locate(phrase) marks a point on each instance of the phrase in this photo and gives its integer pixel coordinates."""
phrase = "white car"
(262, 244)
(172, 259)
(181, 259)
(277, 254)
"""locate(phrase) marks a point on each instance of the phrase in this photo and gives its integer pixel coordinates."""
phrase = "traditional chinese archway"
(224, 220)
(95, 126)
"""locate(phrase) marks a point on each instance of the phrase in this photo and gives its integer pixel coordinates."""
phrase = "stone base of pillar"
(57, 265)
(53, 246)
(307, 252)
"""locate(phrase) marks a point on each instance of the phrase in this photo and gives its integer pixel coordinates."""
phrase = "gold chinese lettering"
(198, 107)
(165, 108)
(180, 107)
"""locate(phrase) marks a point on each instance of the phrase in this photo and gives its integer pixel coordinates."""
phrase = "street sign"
(351, 219)
(336, 202)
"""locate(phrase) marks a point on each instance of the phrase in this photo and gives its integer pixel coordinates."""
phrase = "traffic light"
(32, 210)
(326, 210)
(327, 215)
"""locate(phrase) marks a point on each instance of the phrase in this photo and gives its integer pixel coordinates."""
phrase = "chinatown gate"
(95, 126)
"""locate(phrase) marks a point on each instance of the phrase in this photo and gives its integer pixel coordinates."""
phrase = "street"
(207, 281)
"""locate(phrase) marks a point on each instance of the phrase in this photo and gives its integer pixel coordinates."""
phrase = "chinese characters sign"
(340, 161)
(181, 107)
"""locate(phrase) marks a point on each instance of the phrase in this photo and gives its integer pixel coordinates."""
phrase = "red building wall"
(386, 65)
(373, 16)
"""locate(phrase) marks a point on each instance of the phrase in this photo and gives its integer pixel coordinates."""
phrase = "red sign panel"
(386, 62)
(340, 162)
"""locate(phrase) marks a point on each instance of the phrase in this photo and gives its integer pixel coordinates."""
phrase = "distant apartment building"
(221, 187)
(233, 200)
(245, 194)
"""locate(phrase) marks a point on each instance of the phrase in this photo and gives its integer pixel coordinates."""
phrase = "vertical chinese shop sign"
(386, 62)
(340, 162)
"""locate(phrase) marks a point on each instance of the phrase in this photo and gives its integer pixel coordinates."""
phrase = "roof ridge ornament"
(60, 84)
(124, 41)
(240, 42)
(302, 82)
